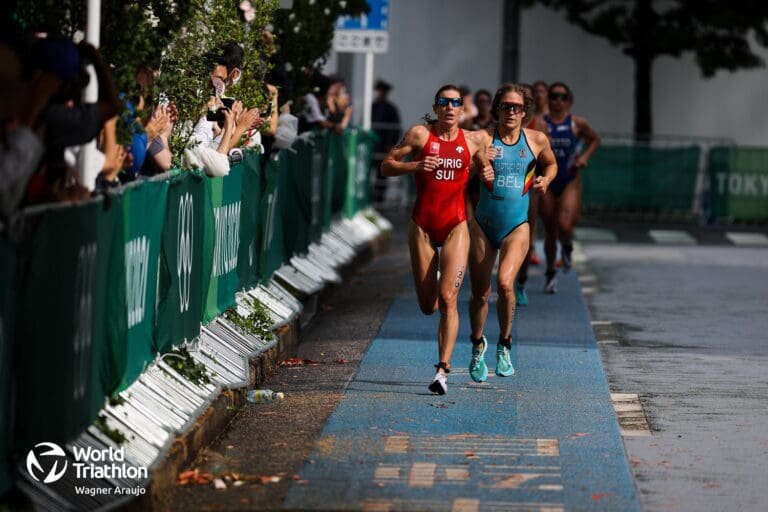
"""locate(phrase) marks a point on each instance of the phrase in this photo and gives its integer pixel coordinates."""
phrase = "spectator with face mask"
(227, 121)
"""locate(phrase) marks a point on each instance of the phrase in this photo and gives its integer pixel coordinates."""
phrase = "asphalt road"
(690, 337)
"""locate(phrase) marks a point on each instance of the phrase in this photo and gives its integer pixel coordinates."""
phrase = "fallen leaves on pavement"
(295, 361)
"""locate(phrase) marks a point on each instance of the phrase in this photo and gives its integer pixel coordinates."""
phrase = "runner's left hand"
(487, 175)
(540, 184)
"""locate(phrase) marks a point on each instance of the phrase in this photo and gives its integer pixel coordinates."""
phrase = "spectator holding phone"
(226, 121)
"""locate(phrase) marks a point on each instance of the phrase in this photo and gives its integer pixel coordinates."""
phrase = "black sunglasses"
(562, 96)
(515, 108)
(443, 102)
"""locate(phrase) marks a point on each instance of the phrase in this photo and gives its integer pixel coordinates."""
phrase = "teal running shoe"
(521, 297)
(504, 366)
(478, 370)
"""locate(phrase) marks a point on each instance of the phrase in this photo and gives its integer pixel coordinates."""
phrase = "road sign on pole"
(366, 33)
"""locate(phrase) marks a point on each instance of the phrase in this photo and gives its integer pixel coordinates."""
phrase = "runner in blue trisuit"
(501, 222)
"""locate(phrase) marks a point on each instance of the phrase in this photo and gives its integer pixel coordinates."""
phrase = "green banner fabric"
(336, 179)
(250, 227)
(641, 178)
(184, 273)
(314, 156)
(297, 165)
(7, 312)
(143, 218)
(273, 253)
(71, 323)
(738, 183)
(359, 148)
(226, 200)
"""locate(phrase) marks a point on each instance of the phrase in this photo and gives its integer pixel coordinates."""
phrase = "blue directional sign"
(376, 19)
(366, 33)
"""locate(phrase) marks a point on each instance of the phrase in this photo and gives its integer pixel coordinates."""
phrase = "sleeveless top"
(505, 207)
(565, 146)
(440, 203)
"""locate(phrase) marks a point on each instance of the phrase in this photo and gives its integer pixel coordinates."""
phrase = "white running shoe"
(551, 286)
(440, 383)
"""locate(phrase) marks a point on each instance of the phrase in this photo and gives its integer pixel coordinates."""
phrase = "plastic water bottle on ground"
(259, 396)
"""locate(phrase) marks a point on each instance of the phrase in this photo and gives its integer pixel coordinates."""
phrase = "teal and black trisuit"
(505, 207)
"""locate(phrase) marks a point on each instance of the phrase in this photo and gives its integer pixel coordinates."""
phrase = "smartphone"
(217, 116)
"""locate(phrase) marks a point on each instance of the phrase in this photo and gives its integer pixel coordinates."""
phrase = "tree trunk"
(643, 84)
(645, 20)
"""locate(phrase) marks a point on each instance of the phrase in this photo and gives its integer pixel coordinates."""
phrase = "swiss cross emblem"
(434, 148)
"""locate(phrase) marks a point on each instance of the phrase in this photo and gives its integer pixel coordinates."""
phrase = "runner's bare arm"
(545, 161)
(479, 142)
(411, 144)
(592, 139)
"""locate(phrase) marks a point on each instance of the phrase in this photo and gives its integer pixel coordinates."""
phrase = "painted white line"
(387, 472)
(623, 397)
(547, 447)
(516, 481)
(460, 474)
(396, 444)
(377, 506)
(465, 505)
(747, 238)
(608, 342)
(671, 236)
(595, 235)
(630, 414)
(601, 322)
(422, 474)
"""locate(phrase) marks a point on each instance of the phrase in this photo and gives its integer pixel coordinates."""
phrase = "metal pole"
(87, 165)
(510, 51)
(368, 90)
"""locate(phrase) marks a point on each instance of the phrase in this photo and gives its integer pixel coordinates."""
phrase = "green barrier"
(184, 273)
(105, 285)
(738, 183)
(298, 165)
(143, 220)
(226, 199)
(359, 148)
(273, 206)
(71, 323)
(336, 178)
(641, 178)
(7, 312)
(314, 159)
(250, 225)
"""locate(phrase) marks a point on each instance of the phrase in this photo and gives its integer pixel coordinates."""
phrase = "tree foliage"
(717, 33)
(305, 34)
(133, 32)
(186, 64)
(176, 37)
